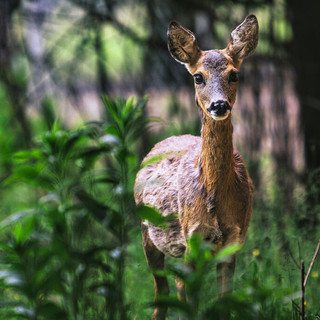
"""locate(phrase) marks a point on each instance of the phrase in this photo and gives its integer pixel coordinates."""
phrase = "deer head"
(215, 72)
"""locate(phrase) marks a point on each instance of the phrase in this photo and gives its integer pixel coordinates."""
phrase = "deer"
(203, 180)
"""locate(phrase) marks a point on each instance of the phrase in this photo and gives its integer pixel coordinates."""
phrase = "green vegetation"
(74, 251)
(64, 257)
(70, 239)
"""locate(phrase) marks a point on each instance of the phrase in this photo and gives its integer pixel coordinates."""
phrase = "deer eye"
(234, 76)
(198, 78)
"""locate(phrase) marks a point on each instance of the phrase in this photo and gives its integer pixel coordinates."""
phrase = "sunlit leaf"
(153, 216)
(228, 251)
(160, 157)
(33, 154)
(128, 106)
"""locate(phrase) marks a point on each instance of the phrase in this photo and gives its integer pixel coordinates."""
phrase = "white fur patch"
(219, 118)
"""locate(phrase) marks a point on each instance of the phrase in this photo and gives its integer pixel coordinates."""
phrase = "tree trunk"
(305, 57)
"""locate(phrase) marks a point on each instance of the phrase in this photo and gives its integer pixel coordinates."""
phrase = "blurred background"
(63, 55)
(69, 52)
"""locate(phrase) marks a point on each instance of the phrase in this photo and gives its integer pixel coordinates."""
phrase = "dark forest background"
(57, 59)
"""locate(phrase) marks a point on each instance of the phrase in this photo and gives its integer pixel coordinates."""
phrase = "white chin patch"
(219, 118)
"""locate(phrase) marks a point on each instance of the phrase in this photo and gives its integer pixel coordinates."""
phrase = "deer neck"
(217, 161)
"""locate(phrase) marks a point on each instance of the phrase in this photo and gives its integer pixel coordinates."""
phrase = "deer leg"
(181, 290)
(225, 272)
(155, 260)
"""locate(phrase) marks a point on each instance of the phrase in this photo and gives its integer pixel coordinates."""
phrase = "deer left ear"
(244, 38)
(182, 44)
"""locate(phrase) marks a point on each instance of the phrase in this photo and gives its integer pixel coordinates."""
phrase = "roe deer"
(204, 180)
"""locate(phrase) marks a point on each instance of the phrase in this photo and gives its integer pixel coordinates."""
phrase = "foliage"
(267, 279)
(192, 272)
(65, 256)
(76, 252)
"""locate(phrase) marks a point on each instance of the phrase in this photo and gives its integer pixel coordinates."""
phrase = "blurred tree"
(305, 58)
(13, 84)
(81, 58)
(36, 15)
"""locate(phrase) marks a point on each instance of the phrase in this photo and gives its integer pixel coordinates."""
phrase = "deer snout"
(219, 109)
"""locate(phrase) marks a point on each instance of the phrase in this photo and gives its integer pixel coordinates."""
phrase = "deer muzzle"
(219, 110)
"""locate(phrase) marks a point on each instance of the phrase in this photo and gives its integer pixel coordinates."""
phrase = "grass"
(267, 270)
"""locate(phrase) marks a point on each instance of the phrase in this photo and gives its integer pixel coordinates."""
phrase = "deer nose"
(219, 107)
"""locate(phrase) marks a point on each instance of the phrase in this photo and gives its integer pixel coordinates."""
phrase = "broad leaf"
(153, 216)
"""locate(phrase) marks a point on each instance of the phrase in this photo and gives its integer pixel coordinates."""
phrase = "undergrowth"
(75, 252)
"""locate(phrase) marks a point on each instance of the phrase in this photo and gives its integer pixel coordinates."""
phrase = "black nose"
(219, 107)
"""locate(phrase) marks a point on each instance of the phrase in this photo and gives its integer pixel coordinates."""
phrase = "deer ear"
(182, 44)
(244, 38)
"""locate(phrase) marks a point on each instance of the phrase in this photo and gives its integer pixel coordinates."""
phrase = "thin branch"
(311, 264)
(302, 291)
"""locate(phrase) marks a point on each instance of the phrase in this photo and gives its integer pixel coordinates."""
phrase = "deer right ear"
(244, 38)
(182, 44)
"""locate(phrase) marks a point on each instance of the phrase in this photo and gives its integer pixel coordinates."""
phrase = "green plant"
(65, 257)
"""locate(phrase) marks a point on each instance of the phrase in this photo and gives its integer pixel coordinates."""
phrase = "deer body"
(202, 179)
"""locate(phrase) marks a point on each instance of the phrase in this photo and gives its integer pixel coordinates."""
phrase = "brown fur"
(203, 180)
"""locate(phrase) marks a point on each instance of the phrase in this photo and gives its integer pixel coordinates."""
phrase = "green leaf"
(31, 174)
(100, 211)
(92, 151)
(17, 217)
(107, 179)
(128, 106)
(180, 270)
(48, 111)
(227, 251)
(152, 215)
(112, 107)
(113, 130)
(160, 157)
(75, 137)
(173, 302)
(23, 156)
(20, 234)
